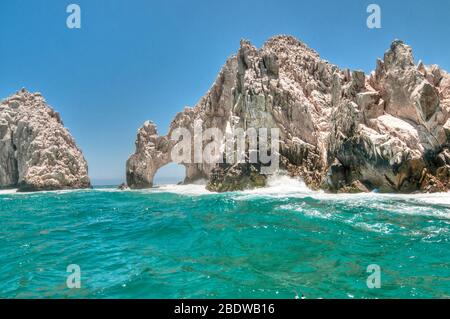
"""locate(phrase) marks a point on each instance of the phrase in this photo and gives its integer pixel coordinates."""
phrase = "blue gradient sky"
(135, 60)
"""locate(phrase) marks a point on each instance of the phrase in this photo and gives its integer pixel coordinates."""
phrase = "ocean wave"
(111, 190)
(436, 199)
(283, 186)
(8, 191)
(307, 211)
(189, 190)
(278, 186)
(62, 191)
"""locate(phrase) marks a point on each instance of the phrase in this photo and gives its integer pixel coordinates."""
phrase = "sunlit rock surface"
(36, 151)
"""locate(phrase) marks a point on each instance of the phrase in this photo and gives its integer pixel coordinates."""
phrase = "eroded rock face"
(36, 151)
(340, 130)
(237, 177)
(152, 153)
(389, 130)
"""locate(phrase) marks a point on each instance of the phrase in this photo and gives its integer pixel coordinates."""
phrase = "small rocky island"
(36, 152)
(340, 130)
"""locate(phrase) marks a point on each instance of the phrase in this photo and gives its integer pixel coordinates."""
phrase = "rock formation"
(340, 130)
(36, 151)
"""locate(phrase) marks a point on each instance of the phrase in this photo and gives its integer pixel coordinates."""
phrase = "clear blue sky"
(134, 60)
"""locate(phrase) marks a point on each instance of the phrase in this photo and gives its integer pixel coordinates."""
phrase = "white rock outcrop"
(341, 130)
(36, 151)
(389, 128)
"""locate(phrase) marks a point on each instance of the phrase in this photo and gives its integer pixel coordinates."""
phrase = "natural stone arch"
(171, 173)
(152, 153)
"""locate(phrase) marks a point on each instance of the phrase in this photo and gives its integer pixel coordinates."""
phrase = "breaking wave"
(7, 191)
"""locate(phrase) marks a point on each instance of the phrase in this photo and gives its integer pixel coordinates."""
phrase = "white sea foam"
(278, 186)
(437, 198)
(189, 190)
(110, 190)
(300, 208)
(64, 191)
(282, 185)
(383, 228)
(8, 191)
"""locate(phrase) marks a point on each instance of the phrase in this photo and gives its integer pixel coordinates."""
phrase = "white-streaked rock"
(36, 151)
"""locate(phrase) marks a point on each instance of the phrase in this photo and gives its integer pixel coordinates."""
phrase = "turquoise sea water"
(181, 242)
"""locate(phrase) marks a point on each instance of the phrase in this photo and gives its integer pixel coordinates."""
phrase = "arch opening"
(171, 173)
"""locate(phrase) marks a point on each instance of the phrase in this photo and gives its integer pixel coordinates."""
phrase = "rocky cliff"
(340, 130)
(36, 151)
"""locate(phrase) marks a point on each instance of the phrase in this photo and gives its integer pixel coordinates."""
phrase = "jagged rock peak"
(36, 151)
(400, 54)
(287, 41)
